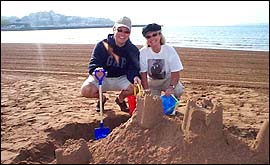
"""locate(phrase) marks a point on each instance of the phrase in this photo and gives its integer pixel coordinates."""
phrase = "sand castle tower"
(261, 144)
(205, 120)
(149, 111)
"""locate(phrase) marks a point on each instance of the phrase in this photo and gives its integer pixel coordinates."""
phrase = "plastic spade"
(102, 131)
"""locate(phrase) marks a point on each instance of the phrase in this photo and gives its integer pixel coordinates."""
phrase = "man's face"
(121, 35)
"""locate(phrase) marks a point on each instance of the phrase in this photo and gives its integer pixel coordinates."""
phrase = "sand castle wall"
(261, 144)
(205, 121)
(149, 111)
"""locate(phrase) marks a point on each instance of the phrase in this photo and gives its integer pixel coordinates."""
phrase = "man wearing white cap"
(120, 58)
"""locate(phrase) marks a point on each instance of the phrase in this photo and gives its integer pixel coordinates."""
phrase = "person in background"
(120, 59)
(160, 64)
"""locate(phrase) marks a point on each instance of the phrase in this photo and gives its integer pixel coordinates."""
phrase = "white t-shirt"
(160, 65)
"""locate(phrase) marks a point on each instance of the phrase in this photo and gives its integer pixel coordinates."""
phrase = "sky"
(175, 13)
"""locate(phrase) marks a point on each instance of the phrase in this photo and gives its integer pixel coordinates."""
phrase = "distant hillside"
(51, 19)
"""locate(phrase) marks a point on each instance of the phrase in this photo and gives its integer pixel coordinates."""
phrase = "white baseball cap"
(123, 22)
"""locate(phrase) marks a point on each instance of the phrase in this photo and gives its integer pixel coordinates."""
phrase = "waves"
(223, 37)
(215, 37)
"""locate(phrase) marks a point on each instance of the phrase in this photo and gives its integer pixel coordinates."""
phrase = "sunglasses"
(153, 35)
(121, 30)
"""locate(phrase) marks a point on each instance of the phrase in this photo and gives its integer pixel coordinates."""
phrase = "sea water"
(252, 37)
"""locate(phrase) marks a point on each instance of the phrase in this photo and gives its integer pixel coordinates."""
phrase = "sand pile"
(151, 137)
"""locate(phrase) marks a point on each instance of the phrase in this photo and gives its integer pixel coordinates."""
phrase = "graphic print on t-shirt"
(156, 68)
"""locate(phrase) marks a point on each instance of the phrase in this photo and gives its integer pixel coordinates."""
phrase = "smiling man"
(120, 59)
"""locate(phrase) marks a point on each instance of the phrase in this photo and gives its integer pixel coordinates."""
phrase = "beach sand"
(42, 111)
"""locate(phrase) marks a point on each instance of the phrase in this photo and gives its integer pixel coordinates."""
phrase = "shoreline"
(174, 36)
(61, 27)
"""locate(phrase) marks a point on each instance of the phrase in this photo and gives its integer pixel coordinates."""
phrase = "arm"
(97, 58)
(175, 67)
(144, 80)
(145, 83)
(133, 64)
(174, 78)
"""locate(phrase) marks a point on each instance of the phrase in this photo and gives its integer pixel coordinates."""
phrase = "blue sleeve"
(133, 64)
(98, 57)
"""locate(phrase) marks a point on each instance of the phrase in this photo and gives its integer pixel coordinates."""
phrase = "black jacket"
(128, 64)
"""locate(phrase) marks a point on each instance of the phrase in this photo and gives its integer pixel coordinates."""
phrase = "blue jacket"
(129, 59)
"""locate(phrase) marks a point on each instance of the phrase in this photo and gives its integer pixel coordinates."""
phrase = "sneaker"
(103, 103)
(123, 105)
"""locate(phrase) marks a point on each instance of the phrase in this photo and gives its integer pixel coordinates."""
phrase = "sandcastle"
(206, 120)
(201, 138)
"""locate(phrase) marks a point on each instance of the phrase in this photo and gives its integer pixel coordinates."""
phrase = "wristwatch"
(172, 86)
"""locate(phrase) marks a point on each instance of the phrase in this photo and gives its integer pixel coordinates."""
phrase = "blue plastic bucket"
(168, 104)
